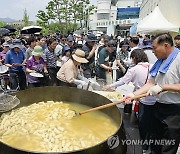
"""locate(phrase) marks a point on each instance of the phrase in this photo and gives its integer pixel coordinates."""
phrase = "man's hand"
(123, 70)
(15, 65)
(128, 98)
(45, 71)
(109, 68)
(32, 71)
(107, 87)
(155, 90)
(94, 47)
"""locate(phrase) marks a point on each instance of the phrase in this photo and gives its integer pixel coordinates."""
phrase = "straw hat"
(38, 51)
(79, 56)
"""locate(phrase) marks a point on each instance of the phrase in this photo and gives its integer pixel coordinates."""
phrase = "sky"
(14, 9)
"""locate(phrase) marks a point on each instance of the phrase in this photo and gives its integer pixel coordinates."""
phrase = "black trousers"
(119, 74)
(18, 78)
(100, 73)
(33, 85)
(166, 127)
(66, 84)
(52, 76)
(145, 118)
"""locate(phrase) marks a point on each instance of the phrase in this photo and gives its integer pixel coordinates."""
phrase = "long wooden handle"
(111, 104)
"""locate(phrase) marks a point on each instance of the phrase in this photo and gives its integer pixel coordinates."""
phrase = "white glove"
(155, 90)
(79, 82)
(80, 77)
(94, 84)
(84, 86)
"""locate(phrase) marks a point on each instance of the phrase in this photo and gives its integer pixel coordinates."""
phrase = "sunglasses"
(63, 39)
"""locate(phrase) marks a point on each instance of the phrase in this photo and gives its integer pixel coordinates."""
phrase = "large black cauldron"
(33, 95)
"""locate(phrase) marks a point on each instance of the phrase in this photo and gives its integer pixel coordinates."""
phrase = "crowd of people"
(46, 55)
(150, 63)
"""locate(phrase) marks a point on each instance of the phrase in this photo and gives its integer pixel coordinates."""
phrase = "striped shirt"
(50, 58)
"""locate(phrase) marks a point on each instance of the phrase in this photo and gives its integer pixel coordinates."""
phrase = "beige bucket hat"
(79, 56)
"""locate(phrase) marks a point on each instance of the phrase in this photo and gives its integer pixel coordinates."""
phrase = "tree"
(76, 9)
(26, 18)
(2, 24)
(88, 13)
(66, 13)
(43, 18)
(81, 10)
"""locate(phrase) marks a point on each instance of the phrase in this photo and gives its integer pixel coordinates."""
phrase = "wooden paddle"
(110, 104)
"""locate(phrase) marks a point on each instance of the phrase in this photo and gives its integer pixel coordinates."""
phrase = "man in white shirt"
(133, 43)
(165, 84)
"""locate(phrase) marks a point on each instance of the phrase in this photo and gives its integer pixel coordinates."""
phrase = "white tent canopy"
(155, 22)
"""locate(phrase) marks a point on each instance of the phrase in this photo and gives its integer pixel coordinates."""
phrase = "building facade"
(115, 17)
(169, 8)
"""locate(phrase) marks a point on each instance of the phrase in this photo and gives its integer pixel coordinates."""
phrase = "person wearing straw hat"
(69, 75)
(35, 64)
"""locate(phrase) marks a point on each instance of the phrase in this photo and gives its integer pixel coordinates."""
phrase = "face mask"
(130, 61)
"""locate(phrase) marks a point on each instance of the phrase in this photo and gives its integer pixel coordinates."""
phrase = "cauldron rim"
(36, 152)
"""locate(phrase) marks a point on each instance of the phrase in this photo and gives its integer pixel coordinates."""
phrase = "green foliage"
(2, 24)
(65, 15)
(26, 18)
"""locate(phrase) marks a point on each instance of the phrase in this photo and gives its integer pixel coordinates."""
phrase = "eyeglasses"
(63, 39)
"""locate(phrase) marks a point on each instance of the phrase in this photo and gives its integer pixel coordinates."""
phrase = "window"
(128, 13)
